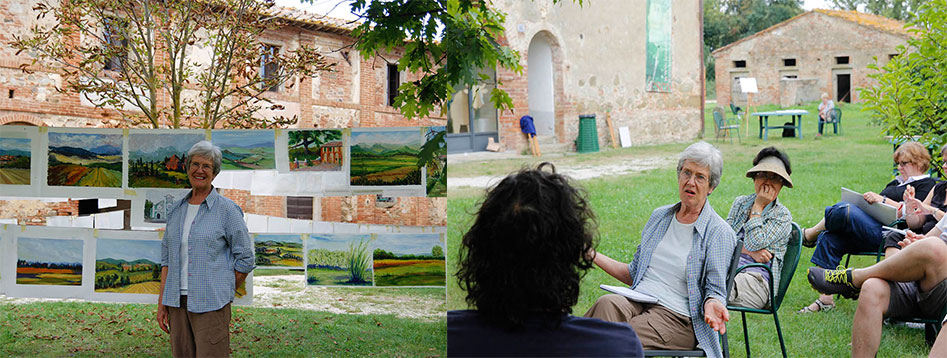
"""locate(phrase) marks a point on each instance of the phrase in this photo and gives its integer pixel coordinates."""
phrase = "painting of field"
(48, 262)
(434, 156)
(15, 161)
(158, 160)
(278, 250)
(85, 159)
(339, 260)
(409, 260)
(246, 149)
(385, 157)
(159, 202)
(128, 266)
(315, 150)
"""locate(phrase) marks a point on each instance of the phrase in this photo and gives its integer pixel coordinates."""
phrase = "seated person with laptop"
(845, 228)
(682, 260)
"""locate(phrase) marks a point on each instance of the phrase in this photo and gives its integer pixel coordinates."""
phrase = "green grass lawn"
(861, 160)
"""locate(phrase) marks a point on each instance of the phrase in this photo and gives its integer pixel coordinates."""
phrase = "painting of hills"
(246, 149)
(385, 157)
(409, 260)
(48, 262)
(158, 160)
(278, 250)
(15, 161)
(339, 260)
(128, 266)
(81, 159)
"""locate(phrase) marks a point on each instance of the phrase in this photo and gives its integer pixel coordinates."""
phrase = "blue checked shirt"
(768, 231)
(218, 244)
(706, 269)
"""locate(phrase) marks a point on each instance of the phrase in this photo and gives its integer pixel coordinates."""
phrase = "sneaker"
(830, 282)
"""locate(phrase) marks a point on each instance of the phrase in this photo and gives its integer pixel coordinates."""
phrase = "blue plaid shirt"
(218, 244)
(707, 264)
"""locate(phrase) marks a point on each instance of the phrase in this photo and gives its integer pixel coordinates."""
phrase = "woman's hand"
(909, 238)
(909, 193)
(872, 197)
(761, 256)
(716, 315)
(764, 196)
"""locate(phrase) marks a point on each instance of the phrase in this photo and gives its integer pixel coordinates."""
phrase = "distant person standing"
(825, 112)
(206, 254)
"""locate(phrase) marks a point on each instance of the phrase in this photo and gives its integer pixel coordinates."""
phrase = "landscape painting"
(434, 156)
(15, 161)
(315, 150)
(246, 149)
(85, 159)
(339, 260)
(385, 157)
(48, 262)
(409, 260)
(128, 266)
(159, 202)
(158, 160)
(278, 250)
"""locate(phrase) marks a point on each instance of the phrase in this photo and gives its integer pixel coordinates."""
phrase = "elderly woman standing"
(206, 254)
(845, 228)
(764, 225)
(682, 260)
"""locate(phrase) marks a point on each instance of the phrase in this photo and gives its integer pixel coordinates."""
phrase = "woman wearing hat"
(764, 225)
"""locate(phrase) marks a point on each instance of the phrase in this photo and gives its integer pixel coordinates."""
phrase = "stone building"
(795, 61)
(357, 93)
(591, 59)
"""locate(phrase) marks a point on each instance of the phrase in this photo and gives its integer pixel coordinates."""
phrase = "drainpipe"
(703, 75)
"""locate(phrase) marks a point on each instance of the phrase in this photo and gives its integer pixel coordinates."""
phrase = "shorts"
(907, 300)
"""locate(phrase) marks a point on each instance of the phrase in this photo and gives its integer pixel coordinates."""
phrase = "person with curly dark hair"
(521, 263)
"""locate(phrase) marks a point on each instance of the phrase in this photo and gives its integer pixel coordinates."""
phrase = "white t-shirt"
(942, 225)
(666, 276)
(188, 220)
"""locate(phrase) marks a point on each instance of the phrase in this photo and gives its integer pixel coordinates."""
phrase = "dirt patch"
(577, 172)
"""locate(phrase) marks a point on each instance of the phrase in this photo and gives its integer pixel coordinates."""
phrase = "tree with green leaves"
(727, 21)
(433, 156)
(437, 251)
(132, 54)
(910, 98)
(312, 138)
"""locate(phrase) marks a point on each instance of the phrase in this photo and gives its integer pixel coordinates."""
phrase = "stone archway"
(541, 88)
(20, 119)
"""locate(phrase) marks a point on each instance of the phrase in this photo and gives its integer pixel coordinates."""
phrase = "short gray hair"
(704, 154)
(205, 149)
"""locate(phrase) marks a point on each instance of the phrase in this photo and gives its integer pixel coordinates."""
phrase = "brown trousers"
(199, 334)
(657, 327)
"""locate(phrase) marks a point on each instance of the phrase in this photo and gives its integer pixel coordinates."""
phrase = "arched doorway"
(541, 93)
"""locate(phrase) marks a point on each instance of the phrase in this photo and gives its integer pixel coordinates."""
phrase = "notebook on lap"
(884, 213)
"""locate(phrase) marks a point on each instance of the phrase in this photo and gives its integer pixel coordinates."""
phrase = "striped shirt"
(218, 245)
(707, 264)
(768, 231)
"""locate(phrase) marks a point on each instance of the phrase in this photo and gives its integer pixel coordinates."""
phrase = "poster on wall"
(339, 260)
(409, 260)
(156, 159)
(658, 50)
(246, 149)
(385, 157)
(434, 156)
(315, 150)
(278, 250)
(152, 207)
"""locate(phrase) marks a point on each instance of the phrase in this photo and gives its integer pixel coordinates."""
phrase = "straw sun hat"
(771, 164)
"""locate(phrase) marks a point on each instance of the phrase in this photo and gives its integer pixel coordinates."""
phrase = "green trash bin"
(587, 141)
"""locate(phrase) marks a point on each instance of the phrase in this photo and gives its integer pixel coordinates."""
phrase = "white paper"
(300, 226)
(100, 221)
(748, 85)
(59, 221)
(271, 183)
(51, 291)
(84, 221)
(241, 180)
(345, 228)
(256, 223)
(38, 161)
(322, 227)
(107, 203)
(223, 180)
(624, 136)
(276, 224)
(79, 191)
(629, 293)
(8, 221)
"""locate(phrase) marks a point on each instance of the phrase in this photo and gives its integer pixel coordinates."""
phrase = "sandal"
(822, 307)
(806, 242)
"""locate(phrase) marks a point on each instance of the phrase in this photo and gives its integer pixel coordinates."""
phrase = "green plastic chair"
(725, 128)
(790, 261)
(835, 114)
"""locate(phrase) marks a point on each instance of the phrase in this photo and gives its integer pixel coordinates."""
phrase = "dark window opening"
(385, 202)
(739, 64)
(843, 88)
(299, 207)
(790, 76)
(789, 62)
(841, 60)
(394, 80)
(11, 93)
(892, 56)
(269, 68)
(116, 43)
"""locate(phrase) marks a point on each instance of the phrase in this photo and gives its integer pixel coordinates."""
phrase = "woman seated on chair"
(825, 112)
(919, 215)
(846, 229)
(764, 224)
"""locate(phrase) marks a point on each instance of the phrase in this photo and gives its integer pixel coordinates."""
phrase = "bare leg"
(940, 345)
(924, 261)
(866, 326)
(812, 232)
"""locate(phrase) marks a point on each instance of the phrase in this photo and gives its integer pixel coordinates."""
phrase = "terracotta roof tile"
(875, 21)
(319, 21)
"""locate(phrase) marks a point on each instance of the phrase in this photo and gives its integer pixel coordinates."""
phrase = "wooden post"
(611, 132)
(534, 143)
(746, 116)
